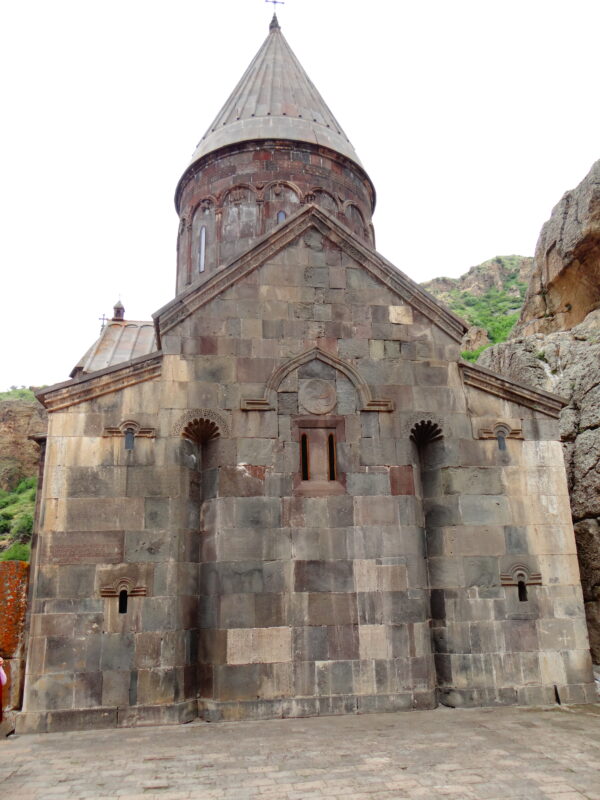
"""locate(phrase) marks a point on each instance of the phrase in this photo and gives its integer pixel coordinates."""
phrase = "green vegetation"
(495, 309)
(17, 393)
(16, 521)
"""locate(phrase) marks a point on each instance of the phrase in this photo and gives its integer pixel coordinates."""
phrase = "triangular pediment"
(307, 218)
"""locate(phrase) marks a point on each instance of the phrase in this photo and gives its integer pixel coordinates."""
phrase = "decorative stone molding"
(487, 381)
(502, 428)
(426, 431)
(267, 401)
(520, 573)
(124, 583)
(108, 381)
(139, 432)
(201, 424)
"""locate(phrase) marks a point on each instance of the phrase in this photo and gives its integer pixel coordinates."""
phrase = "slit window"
(501, 439)
(522, 587)
(280, 217)
(123, 601)
(129, 439)
(331, 456)
(304, 457)
(202, 249)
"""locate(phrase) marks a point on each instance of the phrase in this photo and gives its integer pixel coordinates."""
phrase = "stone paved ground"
(483, 754)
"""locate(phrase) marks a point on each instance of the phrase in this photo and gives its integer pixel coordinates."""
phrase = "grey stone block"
(260, 512)
(481, 571)
(156, 513)
(117, 651)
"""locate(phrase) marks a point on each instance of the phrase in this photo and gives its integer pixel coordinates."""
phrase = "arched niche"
(269, 397)
(280, 201)
(240, 221)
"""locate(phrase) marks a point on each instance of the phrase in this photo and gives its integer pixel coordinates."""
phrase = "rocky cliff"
(20, 416)
(556, 346)
(565, 284)
(489, 297)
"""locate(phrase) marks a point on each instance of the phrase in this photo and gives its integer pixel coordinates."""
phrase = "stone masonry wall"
(256, 592)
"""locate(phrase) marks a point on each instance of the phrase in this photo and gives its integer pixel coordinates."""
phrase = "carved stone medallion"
(317, 396)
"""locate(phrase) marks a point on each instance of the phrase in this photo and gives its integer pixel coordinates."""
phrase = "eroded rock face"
(565, 285)
(568, 363)
(19, 457)
(475, 338)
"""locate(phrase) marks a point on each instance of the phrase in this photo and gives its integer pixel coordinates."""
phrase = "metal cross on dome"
(276, 3)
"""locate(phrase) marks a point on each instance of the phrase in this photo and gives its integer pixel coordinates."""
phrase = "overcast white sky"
(472, 119)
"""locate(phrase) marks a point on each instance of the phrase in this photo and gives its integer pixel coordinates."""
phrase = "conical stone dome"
(275, 99)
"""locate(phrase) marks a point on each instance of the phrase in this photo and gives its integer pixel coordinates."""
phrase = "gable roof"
(309, 216)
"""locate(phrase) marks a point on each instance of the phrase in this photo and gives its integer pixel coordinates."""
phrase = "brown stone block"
(383, 511)
(244, 480)
(156, 686)
(323, 576)
(402, 480)
(249, 370)
(91, 547)
(332, 608)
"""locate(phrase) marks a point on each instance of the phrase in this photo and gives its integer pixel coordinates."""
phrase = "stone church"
(287, 495)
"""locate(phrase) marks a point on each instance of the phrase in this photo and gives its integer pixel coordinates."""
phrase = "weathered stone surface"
(565, 284)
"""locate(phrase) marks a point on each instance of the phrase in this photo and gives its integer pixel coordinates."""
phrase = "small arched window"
(123, 601)
(129, 438)
(280, 217)
(501, 439)
(202, 249)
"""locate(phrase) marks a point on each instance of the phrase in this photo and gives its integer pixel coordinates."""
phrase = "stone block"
(118, 651)
(520, 635)
(214, 369)
(326, 608)
(256, 451)
(323, 576)
(402, 315)
(242, 480)
(88, 689)
(259, 645)
(402, 480)
(147, 546)
(258, 512)
(382, 512)
(156, 686)
(472, 480)
(482, 571)
(368, 484)
(374, 642)
(484, 509)
(75, 581)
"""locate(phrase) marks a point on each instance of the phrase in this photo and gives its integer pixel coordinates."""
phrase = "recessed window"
(304, 457)
(331, 456)
(280, 217)
(129, 438)
(501, 439)
(202, 249)
(522, 587)
(123, 601)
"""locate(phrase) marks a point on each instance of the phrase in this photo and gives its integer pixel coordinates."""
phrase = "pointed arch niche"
(268, 401)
